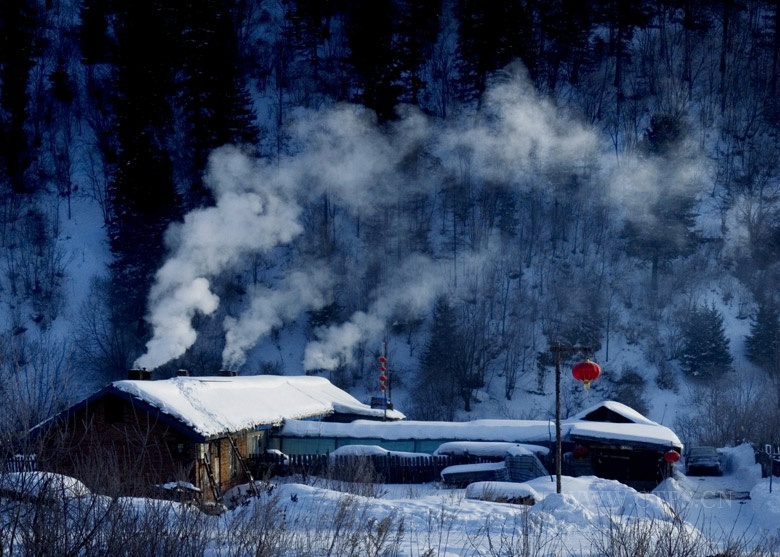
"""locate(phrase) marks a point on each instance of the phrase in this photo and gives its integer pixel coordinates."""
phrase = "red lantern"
(586, 371)
(580, 451)
(671, 456)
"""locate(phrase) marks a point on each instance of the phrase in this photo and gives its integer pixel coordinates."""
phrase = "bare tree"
(36, 380)
(100, 345)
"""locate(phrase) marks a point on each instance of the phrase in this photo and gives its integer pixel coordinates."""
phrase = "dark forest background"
(119, 104)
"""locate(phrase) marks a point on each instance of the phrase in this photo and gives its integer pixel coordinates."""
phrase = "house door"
(213, 451)
(209, 456)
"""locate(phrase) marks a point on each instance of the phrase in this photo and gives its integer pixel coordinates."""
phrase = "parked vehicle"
(703, 461)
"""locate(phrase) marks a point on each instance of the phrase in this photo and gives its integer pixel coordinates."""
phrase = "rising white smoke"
(364, 170)
(250, 216)
(272, 308)
(518, 132)
(410, 288)
(257, 208)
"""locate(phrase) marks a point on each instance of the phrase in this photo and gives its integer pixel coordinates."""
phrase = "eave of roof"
(110, 390)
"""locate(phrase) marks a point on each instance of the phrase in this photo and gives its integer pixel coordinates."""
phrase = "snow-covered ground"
(591, 516)
(694, 516)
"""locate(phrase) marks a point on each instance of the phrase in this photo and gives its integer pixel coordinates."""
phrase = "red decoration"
(580, 451)
(671, 456)
(382, 370)
(586, 371)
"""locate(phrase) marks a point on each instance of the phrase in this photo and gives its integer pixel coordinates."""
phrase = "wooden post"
(558, 350)
(558, 452)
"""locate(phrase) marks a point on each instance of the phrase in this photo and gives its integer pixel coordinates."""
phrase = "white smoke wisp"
(412, 287)
(250, 216)
(336, 344)
(518, 133)
(347, 156)
(640, 186)
(273, 308)
(174, 314)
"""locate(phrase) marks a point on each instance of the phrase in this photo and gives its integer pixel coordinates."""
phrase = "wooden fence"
(391, 469)
(19, 463)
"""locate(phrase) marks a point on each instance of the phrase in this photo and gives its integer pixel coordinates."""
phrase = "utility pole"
(558, 350)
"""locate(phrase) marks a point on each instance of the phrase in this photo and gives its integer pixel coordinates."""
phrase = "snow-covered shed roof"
(607, 420)
(211, 406)
(616, 422)
(483, 430)
(656, 436)
(611, 411)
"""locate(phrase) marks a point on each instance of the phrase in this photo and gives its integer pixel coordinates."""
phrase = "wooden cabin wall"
(114, 448)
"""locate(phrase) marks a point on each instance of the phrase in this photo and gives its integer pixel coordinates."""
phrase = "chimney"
(142, 374)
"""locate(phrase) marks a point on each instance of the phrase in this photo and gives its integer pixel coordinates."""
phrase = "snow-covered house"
(186, 431)
(614, 441)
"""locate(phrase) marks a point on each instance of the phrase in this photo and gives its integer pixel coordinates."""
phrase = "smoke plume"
(249, 216)
(516, 137)
(411, 288)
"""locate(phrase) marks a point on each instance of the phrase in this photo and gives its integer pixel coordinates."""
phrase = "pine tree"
(761, 345)
(418, 23)
(566, 27)
(622, 18)
(705, 351)
(491, 35)
(669, 230)
(371, 33)
(93, 32)
(443, 367)
(143, 198)
(214, 98)
(18, 49)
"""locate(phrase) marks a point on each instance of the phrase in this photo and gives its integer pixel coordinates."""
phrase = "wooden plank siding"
(113, 444)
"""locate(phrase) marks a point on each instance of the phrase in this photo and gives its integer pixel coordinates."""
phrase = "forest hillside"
(295, 187)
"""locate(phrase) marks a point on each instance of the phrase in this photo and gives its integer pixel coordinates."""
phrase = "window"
(255, 443)
(114, 410)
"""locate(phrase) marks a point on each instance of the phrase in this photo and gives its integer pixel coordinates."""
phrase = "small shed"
(613, 441)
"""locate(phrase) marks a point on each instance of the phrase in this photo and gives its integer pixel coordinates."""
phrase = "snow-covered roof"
(46, 485)
(646, 434)
(215, 405)
(618, 408)
(212, 406)
(486, 430)
(373, 450)
(490, 448)
(636, 428)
